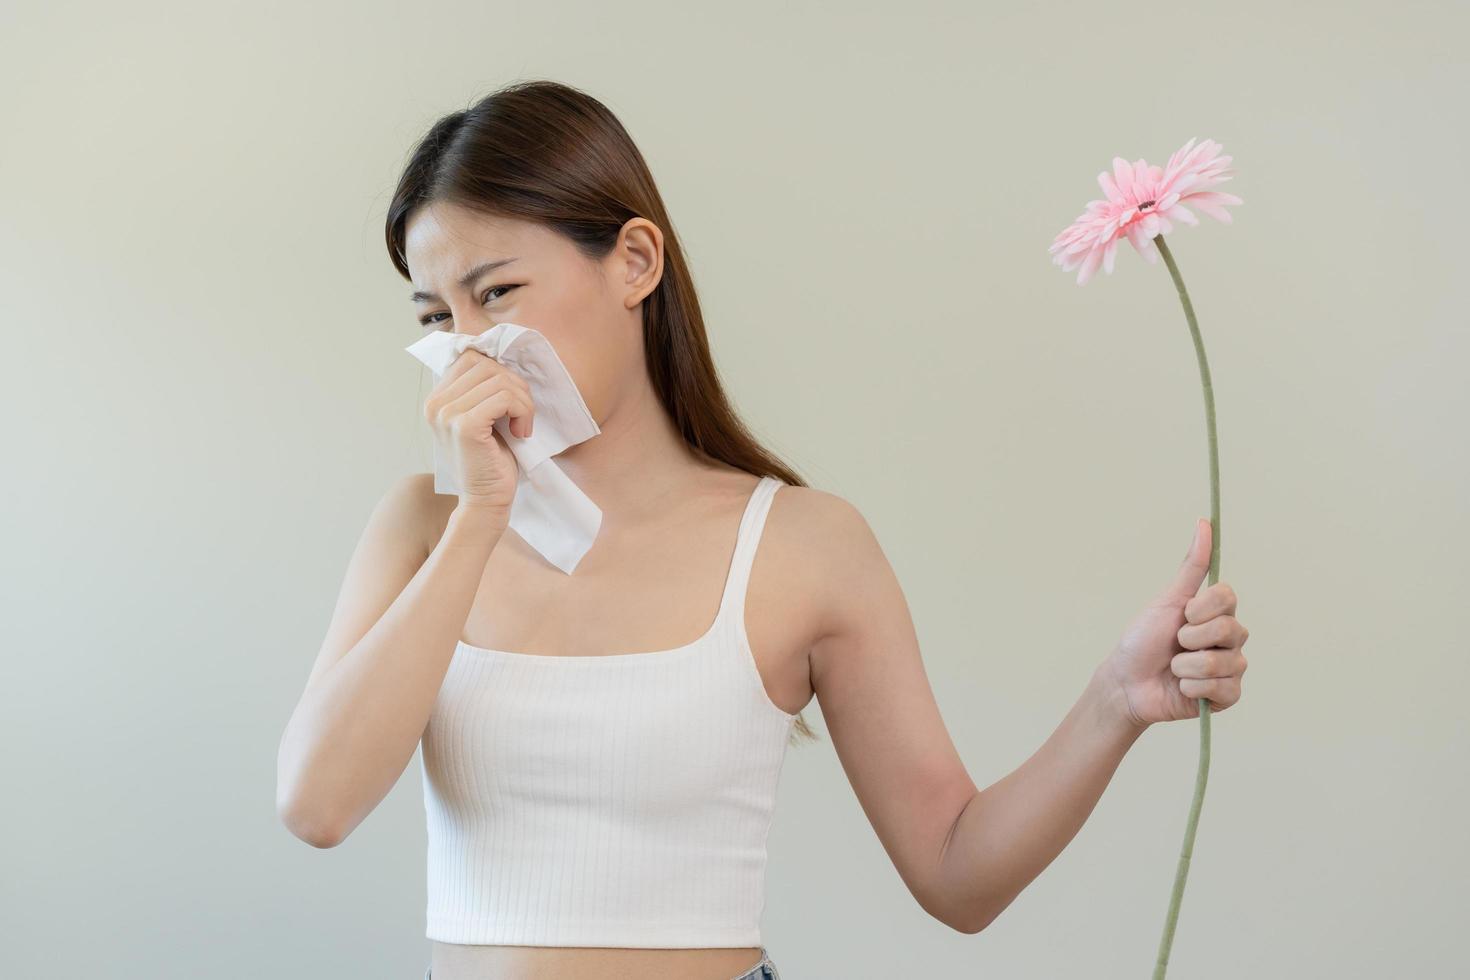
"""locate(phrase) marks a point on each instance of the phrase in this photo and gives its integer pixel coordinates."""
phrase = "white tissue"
(550, 512)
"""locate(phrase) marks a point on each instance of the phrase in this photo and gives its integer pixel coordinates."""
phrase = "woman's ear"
(640, 251)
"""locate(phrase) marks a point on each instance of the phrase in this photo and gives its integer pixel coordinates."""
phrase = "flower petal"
(1179, 154)
(1181, 213)
(1140, 175)
(1213, 210)
(1135, 235)
(1123, 174)
(1181, 183)
(1089, 266)
(1215, 197)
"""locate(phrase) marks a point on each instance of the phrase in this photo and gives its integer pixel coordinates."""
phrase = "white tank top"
(607, 800)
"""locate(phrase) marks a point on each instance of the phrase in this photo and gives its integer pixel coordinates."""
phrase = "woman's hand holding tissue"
(462, 410)
(1180, 648)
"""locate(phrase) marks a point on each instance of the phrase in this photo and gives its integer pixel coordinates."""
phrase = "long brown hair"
(546, 152)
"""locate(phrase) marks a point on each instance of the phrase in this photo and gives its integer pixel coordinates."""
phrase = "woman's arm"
(1009, 832)
(964, 854)
(1184, 645)
(372, 688)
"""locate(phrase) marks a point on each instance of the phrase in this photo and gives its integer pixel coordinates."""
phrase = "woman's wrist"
(471, 525)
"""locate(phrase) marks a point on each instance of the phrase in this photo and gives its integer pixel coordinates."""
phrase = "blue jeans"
(764, 970)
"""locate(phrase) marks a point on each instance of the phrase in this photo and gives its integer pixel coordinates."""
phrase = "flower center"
(1146, 204)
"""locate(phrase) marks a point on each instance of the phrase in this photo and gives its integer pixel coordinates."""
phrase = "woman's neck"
(637, 462)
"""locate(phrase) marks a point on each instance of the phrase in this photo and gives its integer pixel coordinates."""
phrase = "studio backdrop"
(206, 392)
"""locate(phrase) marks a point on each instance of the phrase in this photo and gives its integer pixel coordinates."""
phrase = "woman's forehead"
(441, 234)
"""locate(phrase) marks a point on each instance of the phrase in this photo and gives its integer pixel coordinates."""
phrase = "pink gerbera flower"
(1142, 201)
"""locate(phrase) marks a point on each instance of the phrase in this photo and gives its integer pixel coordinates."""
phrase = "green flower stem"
(1214, 576)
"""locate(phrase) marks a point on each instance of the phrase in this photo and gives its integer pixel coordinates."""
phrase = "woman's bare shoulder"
(821, 539)
(817, 518)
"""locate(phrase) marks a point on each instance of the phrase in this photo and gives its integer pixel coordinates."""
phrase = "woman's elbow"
(314, 829)
(967, 919)
(968, 926)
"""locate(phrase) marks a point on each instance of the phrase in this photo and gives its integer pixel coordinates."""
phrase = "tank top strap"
(752, 523)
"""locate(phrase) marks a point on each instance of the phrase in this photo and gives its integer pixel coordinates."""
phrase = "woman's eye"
(429, 320)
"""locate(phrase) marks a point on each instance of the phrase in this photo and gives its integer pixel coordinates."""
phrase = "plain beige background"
(206, 392)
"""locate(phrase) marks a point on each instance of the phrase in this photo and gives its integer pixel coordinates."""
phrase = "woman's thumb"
(1196, 562)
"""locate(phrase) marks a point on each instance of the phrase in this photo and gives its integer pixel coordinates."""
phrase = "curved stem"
(1202, 775)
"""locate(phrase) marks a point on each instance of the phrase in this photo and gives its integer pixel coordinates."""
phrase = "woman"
(601, 750)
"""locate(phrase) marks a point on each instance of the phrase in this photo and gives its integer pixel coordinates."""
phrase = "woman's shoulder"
(824, 524)
(816, 545)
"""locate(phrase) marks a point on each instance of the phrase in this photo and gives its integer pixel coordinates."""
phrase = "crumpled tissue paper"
(550, 511)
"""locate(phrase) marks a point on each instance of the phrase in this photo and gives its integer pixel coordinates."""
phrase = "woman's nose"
(474, 326)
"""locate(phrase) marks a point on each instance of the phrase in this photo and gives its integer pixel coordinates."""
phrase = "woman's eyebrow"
(419, 296)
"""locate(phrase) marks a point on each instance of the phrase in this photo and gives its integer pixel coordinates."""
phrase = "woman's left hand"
(1181, 647)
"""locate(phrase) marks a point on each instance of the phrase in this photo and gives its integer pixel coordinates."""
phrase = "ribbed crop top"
(607, 800)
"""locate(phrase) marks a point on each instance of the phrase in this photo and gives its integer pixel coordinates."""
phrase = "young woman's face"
(589, 310)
